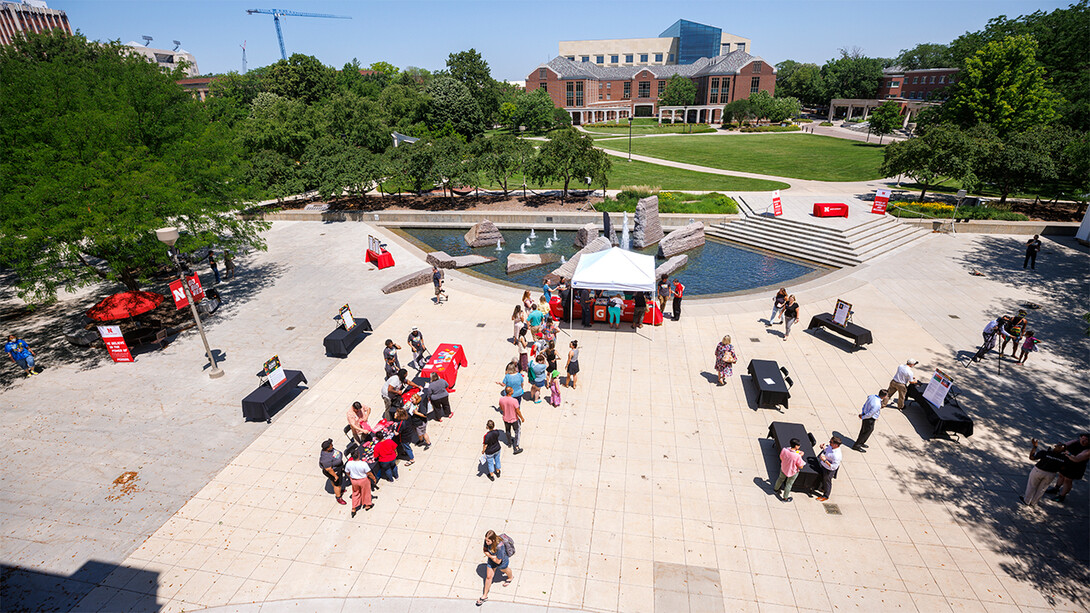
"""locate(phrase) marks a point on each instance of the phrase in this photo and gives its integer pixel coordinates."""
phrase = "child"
(554, 389)
(1029, 343)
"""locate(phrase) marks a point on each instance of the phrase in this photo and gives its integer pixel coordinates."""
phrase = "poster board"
(777, 204)
(937, 388)
(373, 245)
(881, 200)
(842, 312)
(275, 372)
(346, 318)
(115, 343)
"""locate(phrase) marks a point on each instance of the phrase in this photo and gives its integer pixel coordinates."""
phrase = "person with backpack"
(498, 550)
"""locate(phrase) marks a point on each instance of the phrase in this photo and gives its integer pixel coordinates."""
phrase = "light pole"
(629, 138)
(169, 236)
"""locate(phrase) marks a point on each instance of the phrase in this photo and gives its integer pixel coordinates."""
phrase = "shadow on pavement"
(31, 590)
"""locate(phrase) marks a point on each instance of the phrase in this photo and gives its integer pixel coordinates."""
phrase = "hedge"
(946, 211)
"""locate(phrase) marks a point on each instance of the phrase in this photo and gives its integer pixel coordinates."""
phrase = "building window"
(643, 58)
(609, 84)
(569, 98)
(658, 57)
(741, 47)
(942, 79)
(726, 91)
(670, 58)
(628, 58)
(609, 96)
(645, 89)
(713, 97)
(915, 80)
(754, 85)
(662, 87)
(578, 93)
(628, 90)
(543, 85)
(601, 59)
(932, 78)
(571, 58)
(893, 84)
(613, 59)
(600, 94)
(542, 73)
(586, 58)
(756, 67)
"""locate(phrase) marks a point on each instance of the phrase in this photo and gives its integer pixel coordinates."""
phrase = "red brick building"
(591, 92)
(922, 84)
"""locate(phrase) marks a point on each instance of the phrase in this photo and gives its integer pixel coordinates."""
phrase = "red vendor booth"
(613, 270)
(446, 360)
(377, 253)
(653, 316)
(830, 209)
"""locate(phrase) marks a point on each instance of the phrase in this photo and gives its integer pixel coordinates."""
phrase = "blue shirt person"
(869, 414)
(20, 353)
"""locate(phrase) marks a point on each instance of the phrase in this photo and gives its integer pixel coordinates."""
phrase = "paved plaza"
(647, 490)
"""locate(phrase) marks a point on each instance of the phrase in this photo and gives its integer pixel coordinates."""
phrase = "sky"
(514, 36)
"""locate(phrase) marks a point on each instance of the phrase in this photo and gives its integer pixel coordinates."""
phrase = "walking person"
(212, 263)
(491, 450)
(416, 346)
(778, 302)
(332, 464)
(438, 395)
(513, 379)
(725, 358)
(900, 382)
(663, 292)
(20, 353)
(512, 419)
(437, 282)
(1049, 461)
(573, 364)
(361, 478)
(229, 264)
(538, 377)
(616, 307)
(872, 408)
(385, 456)
(1076, 454)
(639, 309)
(677, 292)
(498, 558)
(1029, 345)
(828, 464)
(791, 463)
(790, 315)
(1033, 247)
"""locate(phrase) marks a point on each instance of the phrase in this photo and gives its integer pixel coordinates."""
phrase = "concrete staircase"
(815, 243)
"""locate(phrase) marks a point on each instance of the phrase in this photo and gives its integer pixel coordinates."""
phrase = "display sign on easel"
(777, 204)
(373, 245)
(937, 388)
(115, 343)
(275, 372)
(842, 313)
(346, 318)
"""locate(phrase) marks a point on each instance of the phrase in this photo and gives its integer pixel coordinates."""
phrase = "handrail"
(953, 215)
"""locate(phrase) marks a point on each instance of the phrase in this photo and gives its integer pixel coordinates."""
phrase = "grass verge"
(672, 202)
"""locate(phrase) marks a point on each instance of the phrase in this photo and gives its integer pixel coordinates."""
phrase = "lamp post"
(629, 138)
(169, 236)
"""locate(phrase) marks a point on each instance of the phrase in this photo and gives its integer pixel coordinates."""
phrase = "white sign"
(277, 378)
(769, 381)
(937, 388)
(346, 318)
(840, 316)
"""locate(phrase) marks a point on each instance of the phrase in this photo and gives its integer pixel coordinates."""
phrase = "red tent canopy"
(125, 305)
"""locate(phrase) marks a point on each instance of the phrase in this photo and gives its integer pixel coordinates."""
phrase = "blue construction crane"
(277, 13)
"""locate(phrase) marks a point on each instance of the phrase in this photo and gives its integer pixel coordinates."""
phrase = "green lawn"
(801, 156)
(624, 173)
(614, 130)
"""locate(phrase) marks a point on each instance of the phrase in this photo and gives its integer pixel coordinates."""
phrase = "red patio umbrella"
(124, 305)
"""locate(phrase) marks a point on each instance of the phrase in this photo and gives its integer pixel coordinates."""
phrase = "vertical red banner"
(777, 205)
(178, 293)
(881, 199)
(115, 343)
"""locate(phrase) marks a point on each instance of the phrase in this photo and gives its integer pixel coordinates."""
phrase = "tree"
(469, 68)
(1017, 160)
(451, 167)
(498, 158)
(568, 155)
(301, 77)
(384, 68)
(532, 110)
(925, 55)
(885, 119)
(943, 151)
(802, 81)
(452, 102)
(415, 163)
(680, 91)
(336, 168)
(98, 149)
(1003, 86)
(739, 110)
(852, 75)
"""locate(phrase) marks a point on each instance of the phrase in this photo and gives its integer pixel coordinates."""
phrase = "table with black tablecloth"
(340, 341)
(256, 405)
(771, 387)
(950, 417)
(859, 335)
(782, 432)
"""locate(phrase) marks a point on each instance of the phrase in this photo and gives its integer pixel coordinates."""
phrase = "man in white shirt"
(900, 382)
(391, 392)
(989, 333)
(829, 463)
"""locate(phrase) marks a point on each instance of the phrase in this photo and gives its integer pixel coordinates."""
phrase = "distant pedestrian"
(527, 302)
(829, 463)
(391, 367)
(361, 478)
(991, 331)
(518, 320)
(535, 318)
(1049, 461)
(790, 315)
(512, 419)
(1076, 455)
(403, 435)
(724, 359)
(391, 350)
(438, 395)
(791, 463)
(437, 281)
(872, 408)
(513, 379)
(385, 456)
(778, 302)
(547, 291)
(1033, 247)
(639, 309)
(587, 299)
(498, 558)
(419, 420)
(491, 450)
(332, 464)
(900, 382)
(523, 345)
(212, 263)
(565, 291)
(551, 357)
(20, 353)
(416, 346)
(1029, 345)
(677, 292)
(573, 364)
(663, 292)
(229, 264)
(554, 388)
(539, 379)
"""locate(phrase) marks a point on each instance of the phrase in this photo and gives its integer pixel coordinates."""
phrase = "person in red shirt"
(677, 293)
(512, 418)
(386, 456)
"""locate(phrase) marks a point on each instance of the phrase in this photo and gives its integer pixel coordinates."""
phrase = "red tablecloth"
(446, 360)
(382, 260)
(653, 316)
(830, 209)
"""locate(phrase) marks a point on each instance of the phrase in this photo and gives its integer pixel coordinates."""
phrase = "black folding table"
(950, 417)
(255, 407)
(771, 387)
(859, 335)
(782, 432)
(340, 341)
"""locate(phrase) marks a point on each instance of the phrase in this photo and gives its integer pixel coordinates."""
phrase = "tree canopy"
(885, 119)
(802, 81)
(852, 75)
(569, 155)
(680, 91)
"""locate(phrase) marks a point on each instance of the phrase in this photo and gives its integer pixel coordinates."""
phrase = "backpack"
(508, 544)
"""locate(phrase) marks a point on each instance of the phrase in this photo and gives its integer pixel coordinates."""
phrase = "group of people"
(1013, 329)
(1056, 469)
(535, 334)
(785, 306)
(228, 263)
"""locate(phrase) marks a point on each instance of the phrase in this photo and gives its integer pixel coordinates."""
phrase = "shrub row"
(671, 202)
(770, 129)
(937, 209)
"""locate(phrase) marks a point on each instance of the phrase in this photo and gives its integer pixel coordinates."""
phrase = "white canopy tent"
(616, 270)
